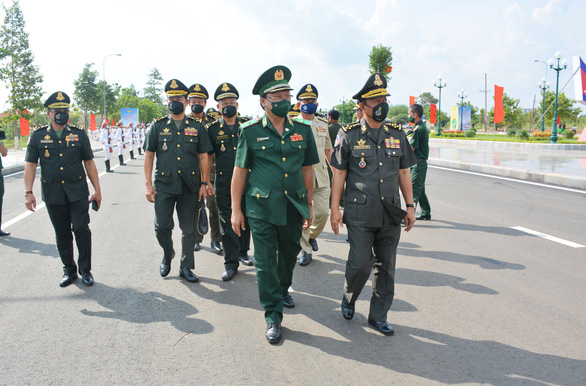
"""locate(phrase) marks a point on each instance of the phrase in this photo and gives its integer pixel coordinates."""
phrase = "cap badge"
(309, 89)
(377, 80)
(279, 75)
(60, 97)
(174, 84)
(225, 87)
(196, 88)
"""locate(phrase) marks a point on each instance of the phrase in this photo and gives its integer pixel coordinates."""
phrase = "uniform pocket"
(259, 192)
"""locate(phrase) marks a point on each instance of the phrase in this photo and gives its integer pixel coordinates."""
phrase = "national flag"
(433, 114)
(388, 69)
(499, 112)
(558, 122)
(580, 81)
(113, 124)
(411, 101)
(92, 122)
(24, 127)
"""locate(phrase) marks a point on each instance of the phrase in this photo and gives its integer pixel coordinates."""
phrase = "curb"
(575, 182)
(510, 145)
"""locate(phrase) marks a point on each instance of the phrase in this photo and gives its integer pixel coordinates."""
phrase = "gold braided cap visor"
(58, 105)
(378, 92)
(172, 93)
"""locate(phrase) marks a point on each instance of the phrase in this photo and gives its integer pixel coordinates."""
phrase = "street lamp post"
(543, 85)
(462, 95)
(439, 83)
(104, 82)
(557, 69)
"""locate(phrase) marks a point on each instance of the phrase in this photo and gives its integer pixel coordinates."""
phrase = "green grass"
(505, 138)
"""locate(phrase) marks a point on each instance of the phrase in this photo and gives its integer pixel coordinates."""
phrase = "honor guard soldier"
(224, 138)
(373, 158)
(64, 151)
(181, 145)
(140, 136)
(127, 133)
(274, 162)
(307, 97)
(119, 137)
(198, 97)
(132, 140)
(107, 139)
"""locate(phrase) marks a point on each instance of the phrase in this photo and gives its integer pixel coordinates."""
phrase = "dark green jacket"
(420, 141)
(177, 153)
(62, 170)
(275, 164)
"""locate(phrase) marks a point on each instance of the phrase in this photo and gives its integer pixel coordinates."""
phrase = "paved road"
(476, 300)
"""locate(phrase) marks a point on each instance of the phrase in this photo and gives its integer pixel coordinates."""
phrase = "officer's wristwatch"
(204, 183)
(411, 206)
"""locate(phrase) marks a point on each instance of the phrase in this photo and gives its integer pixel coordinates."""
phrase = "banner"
(580, 80)
(92, 122)
(129, 115)
(24, 127)
(454, 118)
(466, 115)
(411, 100)
(433, 113)
(499, 112)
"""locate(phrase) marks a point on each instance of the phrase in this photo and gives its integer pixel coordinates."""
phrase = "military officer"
(119, 137)
(334, 126)
(279, 153)
(294, 111)
(420, 144)
(373, 158)
(181, 146)
(198, 97)
(307, 104)
(107, 139)
(224, 138)
(62, 150)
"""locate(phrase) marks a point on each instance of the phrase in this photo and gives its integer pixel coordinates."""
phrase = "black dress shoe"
(165, 267)
(313, 244)
(67, 279)
(423, 218)
(196, 247)
(246, 260)
(188, 275)
(2, 233)
(217, 247)
(87, 279)
(273, 333)
(305, 258)
(347, 310)
(382, 327)
(288, 301)
(229, 274)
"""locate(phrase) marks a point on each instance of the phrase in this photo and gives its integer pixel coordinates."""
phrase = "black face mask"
(61, 118)
(176, 107)
(229, 111)
(380, 111)
(197, 109)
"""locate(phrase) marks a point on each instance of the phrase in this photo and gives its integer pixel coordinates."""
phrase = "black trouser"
(65, 218)
(234, 246)
(186, 211)
(1, 195)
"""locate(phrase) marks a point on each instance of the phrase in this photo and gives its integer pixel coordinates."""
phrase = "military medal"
(164, 145)
(223, 148)
(362, 163)
(47, 153)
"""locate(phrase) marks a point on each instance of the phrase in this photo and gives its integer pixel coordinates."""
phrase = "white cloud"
(547, 13)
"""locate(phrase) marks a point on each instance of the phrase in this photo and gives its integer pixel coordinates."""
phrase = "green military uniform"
(372, 159)
(177, 180)
(63, 185)
(420, 145)
(224, 140)
(333, 129)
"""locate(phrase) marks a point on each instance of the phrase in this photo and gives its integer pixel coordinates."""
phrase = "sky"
(325, 43)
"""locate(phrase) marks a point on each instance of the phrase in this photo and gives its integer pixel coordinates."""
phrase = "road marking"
(548, 237)
(23, 215)
(508, 179)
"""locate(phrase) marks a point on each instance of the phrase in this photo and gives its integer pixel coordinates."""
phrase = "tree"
(86, 93)
(346, 110)
(22, 77)
(513, 113)
(398, 114)
(153, 89)
(112, 93)
(566, 110)
(426, 99)
(381, 60)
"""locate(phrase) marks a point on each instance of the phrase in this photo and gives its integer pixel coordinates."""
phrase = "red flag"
(92, 122)
(24, 127)
(113, 124)
(499, 112)
(411, 100)
(558, 120)
(433, 114)
(389, 69)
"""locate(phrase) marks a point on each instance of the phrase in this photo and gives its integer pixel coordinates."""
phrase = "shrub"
(541, 134)
(511, 132)
(568, 134)
(470, 133)
(522, 134)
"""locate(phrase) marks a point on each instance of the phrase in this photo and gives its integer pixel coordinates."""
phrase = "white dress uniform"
(119, 137)
(107, 140)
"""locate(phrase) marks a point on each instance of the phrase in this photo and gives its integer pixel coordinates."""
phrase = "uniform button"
(382, 198)
(379, 147)
(178, 158)
(178, 145)
(62, 182)
(394, 153)
(300, 146)
(381, 181)
(257, 195)
(354, 200)
(283, 142)
(193, 173)
(284, 159)
(380, 163)
(263, 147)
(179, 133)
(362, 154)
(286, 175)
(285, 192)
(234, 148)
(61, 168)
(179, 171)
(163, 173)
(61, 155)
(220, 173)
(59, 141)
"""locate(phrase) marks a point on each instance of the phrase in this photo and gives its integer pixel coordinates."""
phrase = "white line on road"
(508, 179)
(548, 237)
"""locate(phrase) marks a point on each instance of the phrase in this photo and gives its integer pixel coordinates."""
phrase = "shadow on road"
(132, 306)
(29, 246)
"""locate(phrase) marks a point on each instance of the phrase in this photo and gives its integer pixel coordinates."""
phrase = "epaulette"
(301, 120)
(194, 119)
(210, 123)
(40, 127)
(395, 126)
(351, 126)
(320, 118)
(75, 127)
(249, 123)
(159, 119)
(241, 120)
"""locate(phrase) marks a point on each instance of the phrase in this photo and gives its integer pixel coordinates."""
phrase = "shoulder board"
(159, 119)
(249, 123)
(194, 119)
(210, 123)
(322, 119)
(395, 126)
(301, 120)
(75, 127)
(351, 126)
(40, 127)
(241, 120)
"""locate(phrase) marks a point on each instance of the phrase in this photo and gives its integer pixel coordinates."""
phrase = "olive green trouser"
(275, 255)
(418, 174)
